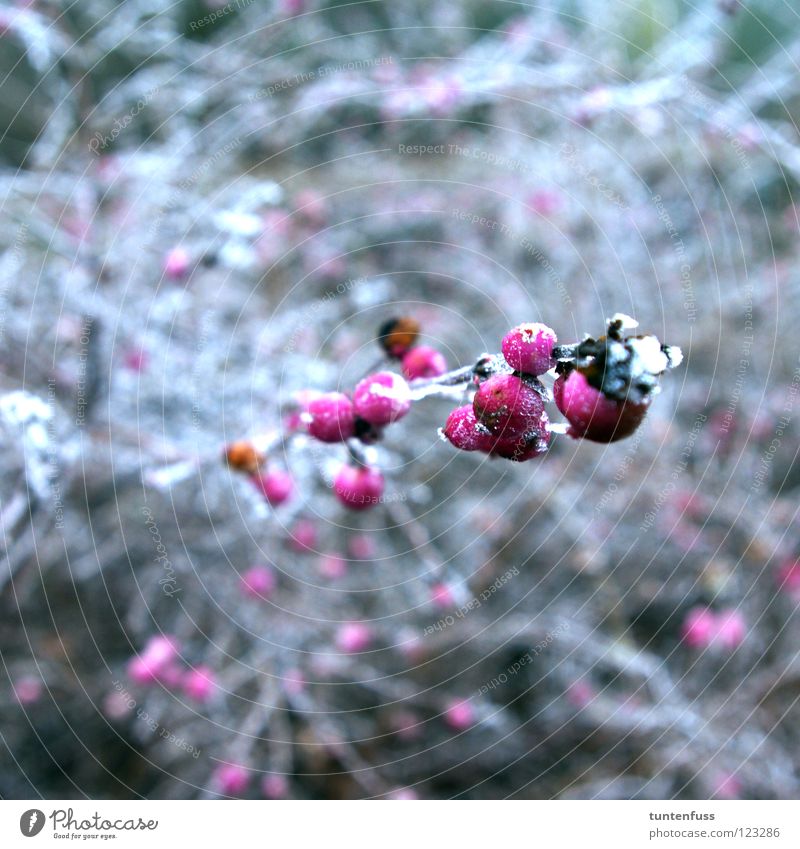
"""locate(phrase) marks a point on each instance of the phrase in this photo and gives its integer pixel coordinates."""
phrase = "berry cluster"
(603, 387)
(159, 662)
(507, 417)
(378, 400)
(704, 628)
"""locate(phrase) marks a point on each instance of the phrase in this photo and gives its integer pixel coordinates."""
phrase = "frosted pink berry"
(276, 486)
(423, 361)
(526, 447)
(274, 787)
(459, 715)
(591, 415)
(354, 637)
(462, 431)
(358, 487)
(382, 398)
(258, 582)
(558, 391)
(231, 779)
(176, 263)
(332, 566)
(509, 407)
(199, 683)
(699, 628)
(529, 348)
(303, 535)
(331, 417)
(28, 690)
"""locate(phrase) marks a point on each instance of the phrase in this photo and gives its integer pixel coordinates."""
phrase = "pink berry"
(459, 715)
(274, 787)
(199, 684)
(523, 448)
(382, 398)
(136, 359)
(462, 431)
(699, 628)
(580, 693)
(293, 422)
(442, 596)
(28, 690)
(726, 785)
(529, 348)
(332, 566)
(141, 671)
(558, 392)
(258, 582)
(789, 578)
(158, 654)
(309, 204)
(161, 649)
(731, 629)
(591, 415)
(362, 547)
(332, 417)
(118, 705)
(303, 535)
(276, 486)
(231, 779)
(544, 202)
(423, 361)
(509, 407)
(176, 263)
(403, 794)
(354, 637)
(144, 670)
(358, 487)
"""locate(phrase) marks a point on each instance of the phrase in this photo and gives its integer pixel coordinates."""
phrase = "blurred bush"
(209, 209)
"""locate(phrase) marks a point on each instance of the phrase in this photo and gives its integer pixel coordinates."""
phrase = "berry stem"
(357, 453)
(486, 365)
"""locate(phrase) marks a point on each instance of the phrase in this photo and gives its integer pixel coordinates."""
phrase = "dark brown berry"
(398, 335)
